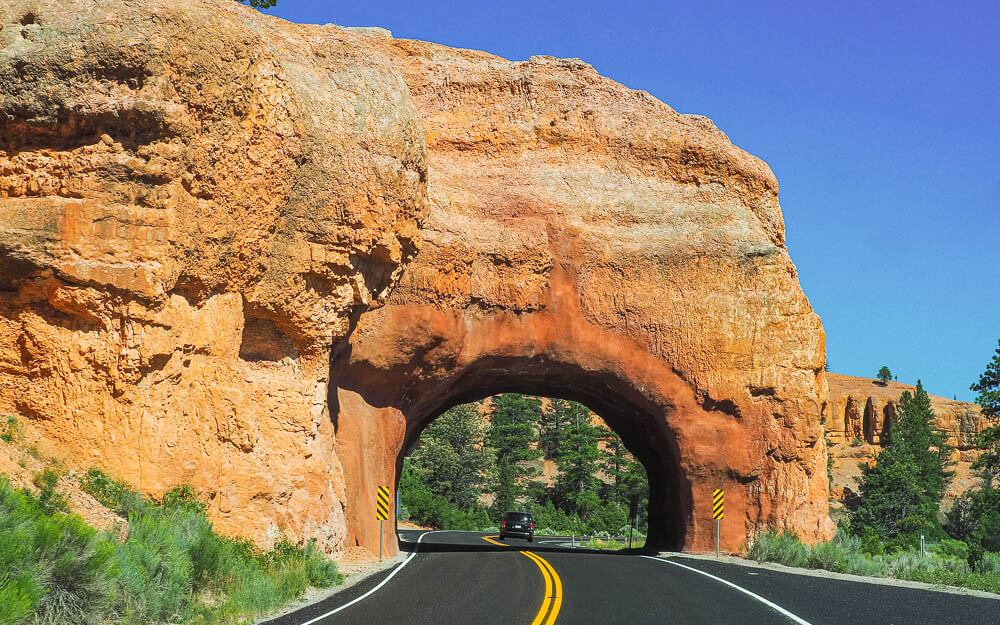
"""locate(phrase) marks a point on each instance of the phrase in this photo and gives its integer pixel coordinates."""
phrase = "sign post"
(381, 513)
(633, 511)
(718, 511)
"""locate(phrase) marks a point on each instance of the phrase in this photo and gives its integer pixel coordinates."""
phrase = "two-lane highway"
(464, 578)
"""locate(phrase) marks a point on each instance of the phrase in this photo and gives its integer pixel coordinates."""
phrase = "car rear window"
(518, 517)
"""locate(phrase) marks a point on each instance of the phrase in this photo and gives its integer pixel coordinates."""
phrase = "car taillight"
(532, 526)
(504, 524)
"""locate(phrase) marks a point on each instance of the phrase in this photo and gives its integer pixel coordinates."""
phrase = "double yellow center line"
(552, 600)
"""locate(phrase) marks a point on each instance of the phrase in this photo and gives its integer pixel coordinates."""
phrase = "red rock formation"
(960, 420)
(852, 420)
(203, 208)
(586, 241)
(196, 201)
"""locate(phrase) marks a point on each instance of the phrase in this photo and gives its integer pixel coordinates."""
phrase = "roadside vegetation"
(900, 506)
(608, 544)
(171, 568)
(945, 563)
(472, 454)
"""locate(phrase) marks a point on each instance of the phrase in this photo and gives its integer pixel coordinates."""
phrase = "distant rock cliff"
(862, 411)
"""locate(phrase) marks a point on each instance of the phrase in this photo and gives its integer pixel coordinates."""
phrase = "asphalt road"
(464, 578)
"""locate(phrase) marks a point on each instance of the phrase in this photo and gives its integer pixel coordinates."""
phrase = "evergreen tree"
(988, 440)
(452, 459)
(512, 434)
(512, 430)
(901, 495)
(628, 476)
(885, 375)
(552, 427)
(975, 517)
(578, 462)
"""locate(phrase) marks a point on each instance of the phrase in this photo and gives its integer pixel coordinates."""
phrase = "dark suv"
(517, 524)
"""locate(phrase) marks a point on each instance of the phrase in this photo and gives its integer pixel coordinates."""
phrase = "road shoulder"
(882, 581)
(359, 578)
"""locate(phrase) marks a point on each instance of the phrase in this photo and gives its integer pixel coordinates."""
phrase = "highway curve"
(465, 578)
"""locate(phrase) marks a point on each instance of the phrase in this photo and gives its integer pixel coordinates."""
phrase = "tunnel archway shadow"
(641, 424)
(410, 545)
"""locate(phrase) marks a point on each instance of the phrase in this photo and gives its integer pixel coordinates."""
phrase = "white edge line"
(770, 604)
(380, 584)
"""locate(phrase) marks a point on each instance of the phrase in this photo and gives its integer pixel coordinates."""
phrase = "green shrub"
(10, 431)
(784, 548)
(50, 501)
(18, 597)
(989, 564)
(846, 554)
(56, 569)
(955, 548)
(113, 494)
(53, 564)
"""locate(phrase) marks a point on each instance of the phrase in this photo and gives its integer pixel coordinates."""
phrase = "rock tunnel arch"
(408, 362)
(566, 225)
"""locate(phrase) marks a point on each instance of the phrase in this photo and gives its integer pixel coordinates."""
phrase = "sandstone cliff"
(203, 209)
(195, 202)
(584, 240)
(861, 415)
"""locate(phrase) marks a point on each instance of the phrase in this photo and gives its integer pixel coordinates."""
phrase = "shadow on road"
(454, 547)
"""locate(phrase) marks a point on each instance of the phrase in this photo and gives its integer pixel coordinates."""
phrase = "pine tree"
(901, 495)
(975, 517)
(452, 459)
(512, 432)
(628, 476)
(512, 435)
(988, 440)
(578, 462)
(552, 427)
(885, 375)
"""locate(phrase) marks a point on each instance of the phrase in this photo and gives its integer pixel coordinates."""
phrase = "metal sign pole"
(718, 512)
(380, 533)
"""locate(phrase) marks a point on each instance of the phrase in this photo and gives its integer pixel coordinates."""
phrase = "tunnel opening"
(553, 458)
(642, 425)
(387, 392)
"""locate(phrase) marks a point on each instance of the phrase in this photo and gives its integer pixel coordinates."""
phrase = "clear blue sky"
(880, 119)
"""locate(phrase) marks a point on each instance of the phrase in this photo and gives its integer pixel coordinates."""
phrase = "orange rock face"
(195, 202)
(862, 411)
(586, 241)
(209, 224)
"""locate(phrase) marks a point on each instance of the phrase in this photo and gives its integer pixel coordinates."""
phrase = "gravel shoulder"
(781, 568)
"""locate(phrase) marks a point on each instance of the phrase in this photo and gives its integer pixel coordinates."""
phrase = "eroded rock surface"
(863, 410)
(202, 209)
(195, 202)
(585, 240)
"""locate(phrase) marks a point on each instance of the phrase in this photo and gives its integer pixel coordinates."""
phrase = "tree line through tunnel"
(548, 456)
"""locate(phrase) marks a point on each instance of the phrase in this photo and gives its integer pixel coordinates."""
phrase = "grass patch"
(10, 430)
(943, 564)
(613, 545)
(173, 567)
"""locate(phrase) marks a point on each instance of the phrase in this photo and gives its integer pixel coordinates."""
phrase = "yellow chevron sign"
(382, 504)
(718, 503)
